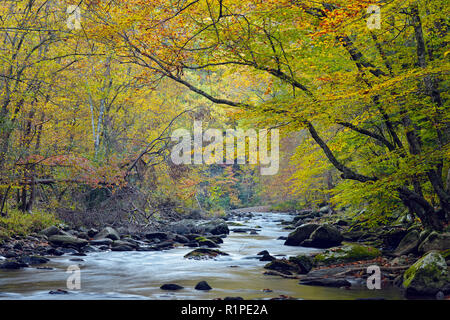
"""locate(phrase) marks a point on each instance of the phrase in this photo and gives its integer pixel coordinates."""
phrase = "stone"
(204, 253)
(101, 242)
(203, 285)
(51, 231)
(171, 287)
(408, 244)
(156, 235)
(12, 265)
(32, 260)
(67, 241)
(109, 233)
(346, 253)
(326, 282)
(427, 276)
(300, 234)
(304, 263)
(435, 241)
(282, 266)
(325, 236)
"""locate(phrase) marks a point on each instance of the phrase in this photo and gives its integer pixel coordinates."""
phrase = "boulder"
(203, 242)
(203, 285)
(267, 257)
(156, 235)
(427, 276)
(51, 231)
(189, 226)
(304, 263)
(282, 266)
(32, 260)
(326, 282)
(67, 241)
(325, 236)
(102, 242)
(300, 234)
(408, 244)
(204, 253)
(118, 243)
(346, 253)
(122, 247)
(10, 264)
(215, 227)
(109, 233)
(435, 241)
(171, 286)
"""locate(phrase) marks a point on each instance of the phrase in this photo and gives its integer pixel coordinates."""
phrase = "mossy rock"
(304, 263)
(347, 253)
(234, 224)
(204, 253)
(202, 241)
(427, 276)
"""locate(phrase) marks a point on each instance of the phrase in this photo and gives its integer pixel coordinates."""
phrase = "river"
(139, 274)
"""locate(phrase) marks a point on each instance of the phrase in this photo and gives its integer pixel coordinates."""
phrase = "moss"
(22, 224)
(204, 253)
(201, 239)
(234, 224)
(445, 254)
(430, 271)
(347, 253)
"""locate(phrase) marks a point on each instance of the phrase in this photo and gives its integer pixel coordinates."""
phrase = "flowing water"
(139, 274)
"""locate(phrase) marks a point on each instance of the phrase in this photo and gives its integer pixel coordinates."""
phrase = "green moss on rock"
(347, 253)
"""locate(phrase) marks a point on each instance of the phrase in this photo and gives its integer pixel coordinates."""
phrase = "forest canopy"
(92, 90)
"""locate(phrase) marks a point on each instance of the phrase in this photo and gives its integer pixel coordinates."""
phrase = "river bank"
(137, 266)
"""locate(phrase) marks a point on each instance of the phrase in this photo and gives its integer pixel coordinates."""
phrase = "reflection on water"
(138, 275)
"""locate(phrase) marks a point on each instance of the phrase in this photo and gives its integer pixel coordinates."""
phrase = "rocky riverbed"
(250, 255)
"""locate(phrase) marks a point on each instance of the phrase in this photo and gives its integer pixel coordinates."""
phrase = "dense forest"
(92, 91)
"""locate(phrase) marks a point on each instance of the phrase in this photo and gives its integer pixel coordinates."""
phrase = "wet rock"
(326, 282)
(282, 266)
(325, 236)
(267, 257)
(171, 286)
(12, 265)
(408, 244)
(156, 235)
(233, 298)
(180, 239)
(216, 239)
(67, 241)
(32, 260)
(204, 253)
(92, 232)
(109, 233)
(76, 260)
(346, 253)
(203, 285)
(130, 244)
(122, 248)
(304, 263)
(101, 242)
(435, 241)
(262, 253)
(59, 291)
(203, 242)
(427, 276)
(54, 252)
(300, 234)
(51, 231)
(164, 245)
(282, 238)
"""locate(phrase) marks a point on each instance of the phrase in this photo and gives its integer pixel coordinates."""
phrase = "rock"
(204, 253)
(180, 239)
(427, 276)
(10, 254)
(92, 232)
(282, 266)
(435, 241)
(67, 241)
(282, 238)
(325, 210)
(233, 298)
(156, 235)
(267, 257)
(171, 286)
(164, 245)
(187, 226)
(51, 231)
(392, 238)
(262, 253)
(341, 222)
(54, 252)
(32, 260)
(346, 253)
(101, 242)
(203, 285)
(203, 242)
(300, 234)
(325, 236)
(109, 233)
(122, 248)
(216, 239)
(12, 265)
(304, 263)
(130, 244)
(326, 282)
(59, 291)
(408, 244)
